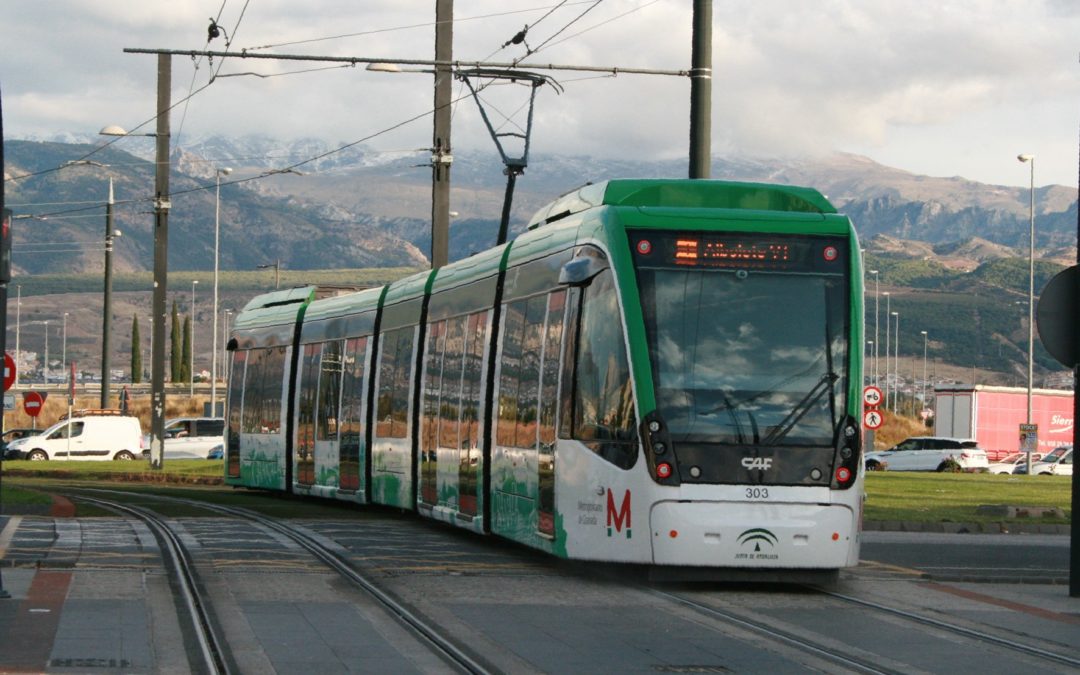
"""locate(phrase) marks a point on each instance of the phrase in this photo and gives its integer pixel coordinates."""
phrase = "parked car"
(190, 437)
(216, 452)
(87, 435)
(1010, 463)
(15, 434)
(929, 453)
(1057, 463)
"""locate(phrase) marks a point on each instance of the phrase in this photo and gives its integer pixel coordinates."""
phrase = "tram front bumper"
(755, 535)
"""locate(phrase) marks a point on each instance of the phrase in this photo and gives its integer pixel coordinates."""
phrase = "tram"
(661, 372)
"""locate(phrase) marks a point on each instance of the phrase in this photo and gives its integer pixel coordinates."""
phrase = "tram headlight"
(659, 448)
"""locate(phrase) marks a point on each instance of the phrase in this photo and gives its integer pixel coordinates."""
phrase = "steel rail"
(784, 636)
(421, 627)
(959, 630)
(210, 646)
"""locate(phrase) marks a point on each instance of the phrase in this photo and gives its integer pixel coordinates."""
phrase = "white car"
(190, 437)
(1012, 462)
(929, 453)
(87, 435)
(1057, 463)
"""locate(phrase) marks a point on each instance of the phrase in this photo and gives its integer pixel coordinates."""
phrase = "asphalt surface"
(90, 595)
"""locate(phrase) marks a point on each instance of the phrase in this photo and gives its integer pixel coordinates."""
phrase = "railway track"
(213, 646)
(826, 642)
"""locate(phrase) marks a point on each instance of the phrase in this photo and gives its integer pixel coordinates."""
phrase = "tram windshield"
(753, 357)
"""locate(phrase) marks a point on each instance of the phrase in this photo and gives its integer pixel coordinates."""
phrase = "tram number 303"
(757, 493)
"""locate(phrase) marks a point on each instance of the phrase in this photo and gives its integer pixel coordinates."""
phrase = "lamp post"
(277, 271)
(875, 273)
(888, 342)
(45, 367)
(925, 337)
(63, 352)
(191, 344)
(1030, 159)
(896, 364)
(225, 171)
(871, 344)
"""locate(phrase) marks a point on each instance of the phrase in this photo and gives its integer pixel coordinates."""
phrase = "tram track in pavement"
(426, 630)
(860, 656)
(210, 645)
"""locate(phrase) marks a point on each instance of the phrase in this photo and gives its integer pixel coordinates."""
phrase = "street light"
(888, 342)
(63, 353)
(191, 344)
(1030, 159)
(896, 364)
(45, 368)
(875, 273)
(224, 171)
(925, 337)
(277, 271)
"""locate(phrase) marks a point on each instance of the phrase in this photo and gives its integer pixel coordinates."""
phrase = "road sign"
(9, 371)
(1055, 316)
(872, 396)
(872, 419)
(1029, 437)
(33, 402)
(9, 402)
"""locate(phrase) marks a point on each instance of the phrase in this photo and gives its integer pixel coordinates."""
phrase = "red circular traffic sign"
(33, 402)
(872, 396)
(873, 419)
(9, 371)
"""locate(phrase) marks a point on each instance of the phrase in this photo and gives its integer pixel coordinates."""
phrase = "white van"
(85, 436)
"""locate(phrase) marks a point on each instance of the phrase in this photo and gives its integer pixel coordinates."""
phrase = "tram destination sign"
(740, 251)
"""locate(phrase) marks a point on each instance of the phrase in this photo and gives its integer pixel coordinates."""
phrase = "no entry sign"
(33, 402)
(9, 371)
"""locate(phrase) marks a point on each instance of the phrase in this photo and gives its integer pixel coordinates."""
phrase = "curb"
(966, 528)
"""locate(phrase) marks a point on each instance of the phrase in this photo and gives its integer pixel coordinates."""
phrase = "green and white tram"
(663, 372)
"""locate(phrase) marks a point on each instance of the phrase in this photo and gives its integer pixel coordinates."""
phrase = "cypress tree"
(175, 354)
(185, 360)
(136, 352)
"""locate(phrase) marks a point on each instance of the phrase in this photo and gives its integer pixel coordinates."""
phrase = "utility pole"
(161, 263)
(106, 315)
(701, 91)
(441, 156)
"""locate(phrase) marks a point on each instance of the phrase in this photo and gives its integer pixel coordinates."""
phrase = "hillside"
(952, 253)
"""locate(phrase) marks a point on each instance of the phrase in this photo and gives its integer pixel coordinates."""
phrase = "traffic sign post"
(33, 402)
(9, 371)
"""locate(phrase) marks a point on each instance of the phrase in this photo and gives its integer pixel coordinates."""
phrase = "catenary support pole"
(441, 156)
(701, 91)
(161, 263)
(106, 313)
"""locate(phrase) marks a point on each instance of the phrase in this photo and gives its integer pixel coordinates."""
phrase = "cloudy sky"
(945, 88)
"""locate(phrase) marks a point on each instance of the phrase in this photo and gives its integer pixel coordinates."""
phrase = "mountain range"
(952, 253)
(320, 209)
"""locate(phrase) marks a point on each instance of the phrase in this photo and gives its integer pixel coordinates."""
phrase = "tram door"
(305, 427)
(524, 471)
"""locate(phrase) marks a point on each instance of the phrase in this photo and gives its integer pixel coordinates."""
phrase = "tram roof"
(685, 193)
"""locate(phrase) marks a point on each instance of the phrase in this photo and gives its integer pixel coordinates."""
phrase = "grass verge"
(891, 495)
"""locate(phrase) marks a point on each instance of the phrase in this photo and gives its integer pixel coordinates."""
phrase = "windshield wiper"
(781, 430)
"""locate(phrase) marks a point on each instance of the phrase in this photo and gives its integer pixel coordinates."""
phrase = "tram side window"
(603, 397)
(352, 413)
(329, 391)
(262, 389)
(432, 385)
(549, 395)
(394, 372)
(519, 383)
(476, 336)
(236, 398)
(309, 381)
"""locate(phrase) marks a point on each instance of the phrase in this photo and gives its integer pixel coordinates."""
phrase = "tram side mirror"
(587, 263)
